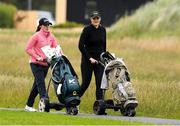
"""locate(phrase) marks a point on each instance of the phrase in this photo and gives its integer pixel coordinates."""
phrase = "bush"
(7, 13)
(68, 25)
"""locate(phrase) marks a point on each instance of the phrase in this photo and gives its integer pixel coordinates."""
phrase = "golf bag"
(116, 74)
(65, 81)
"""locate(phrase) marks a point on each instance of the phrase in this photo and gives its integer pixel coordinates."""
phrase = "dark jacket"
(92, 41)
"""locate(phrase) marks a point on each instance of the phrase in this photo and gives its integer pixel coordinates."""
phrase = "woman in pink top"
(43, 37)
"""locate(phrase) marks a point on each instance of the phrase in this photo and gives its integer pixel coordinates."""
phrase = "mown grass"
(28, 118)
(154, 65)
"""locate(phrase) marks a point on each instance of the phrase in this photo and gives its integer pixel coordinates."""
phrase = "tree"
(48, 5)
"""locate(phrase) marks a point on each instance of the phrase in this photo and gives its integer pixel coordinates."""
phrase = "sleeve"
(54, 42)
(82, 41)
(30, 46)
(105, 40)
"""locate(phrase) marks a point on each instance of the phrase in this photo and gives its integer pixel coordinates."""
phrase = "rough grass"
(153, 63)
(156, 19)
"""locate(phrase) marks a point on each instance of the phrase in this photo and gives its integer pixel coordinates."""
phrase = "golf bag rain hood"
(116, 73)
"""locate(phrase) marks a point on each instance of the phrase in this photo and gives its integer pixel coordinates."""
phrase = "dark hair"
(38, 28)
(43, 21)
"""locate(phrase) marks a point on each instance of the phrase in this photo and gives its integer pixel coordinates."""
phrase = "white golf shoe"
(30, 109)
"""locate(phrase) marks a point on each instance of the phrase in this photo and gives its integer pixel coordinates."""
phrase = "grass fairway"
(28, 118)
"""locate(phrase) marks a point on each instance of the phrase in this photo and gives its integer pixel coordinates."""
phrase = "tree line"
(47, 5)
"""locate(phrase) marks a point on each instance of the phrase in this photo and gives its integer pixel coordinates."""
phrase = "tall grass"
(158, 18)
(154, 65)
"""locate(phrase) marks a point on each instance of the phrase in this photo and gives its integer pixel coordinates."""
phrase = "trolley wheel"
(75, 110)
(72, 110)
(129, 108)
(99, 107)
(68, 110)
(131, 112)
(44, 105)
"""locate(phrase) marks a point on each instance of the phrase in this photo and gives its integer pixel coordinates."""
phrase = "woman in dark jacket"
(91, 44)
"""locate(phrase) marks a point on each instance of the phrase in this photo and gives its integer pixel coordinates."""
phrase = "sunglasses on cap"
(46, 24)
(96, 18)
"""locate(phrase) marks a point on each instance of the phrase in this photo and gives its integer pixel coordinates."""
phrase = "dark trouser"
(86, 70)
(39, 73)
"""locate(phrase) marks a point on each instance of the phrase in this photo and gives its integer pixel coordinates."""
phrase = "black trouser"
(86, 70)
(39, 73)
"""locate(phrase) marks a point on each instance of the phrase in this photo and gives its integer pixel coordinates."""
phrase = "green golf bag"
(65, 81)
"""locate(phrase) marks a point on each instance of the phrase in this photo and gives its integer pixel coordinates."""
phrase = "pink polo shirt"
(36, 42)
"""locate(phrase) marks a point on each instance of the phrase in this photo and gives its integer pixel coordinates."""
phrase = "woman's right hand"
(93, 61)
(39, 59)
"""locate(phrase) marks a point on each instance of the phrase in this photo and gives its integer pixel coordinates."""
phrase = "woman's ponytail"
(38, 28)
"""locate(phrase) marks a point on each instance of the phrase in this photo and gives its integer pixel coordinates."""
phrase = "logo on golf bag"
(72, 81)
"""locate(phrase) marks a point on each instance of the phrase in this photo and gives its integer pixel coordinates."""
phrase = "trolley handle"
(101, 63)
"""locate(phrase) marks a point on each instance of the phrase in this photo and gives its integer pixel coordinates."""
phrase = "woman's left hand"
(93, 61)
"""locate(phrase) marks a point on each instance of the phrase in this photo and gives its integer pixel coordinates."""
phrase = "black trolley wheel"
(44, 105)
(72, 110)
(75, 110)
(99, 107)
(131, 112)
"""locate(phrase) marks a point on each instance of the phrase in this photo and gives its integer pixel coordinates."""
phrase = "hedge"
(7, 13)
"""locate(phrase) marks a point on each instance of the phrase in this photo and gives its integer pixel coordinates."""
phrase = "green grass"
(153, 64)
(28, 118)
(68, 25)
(155, 19)
(149, 43)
